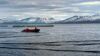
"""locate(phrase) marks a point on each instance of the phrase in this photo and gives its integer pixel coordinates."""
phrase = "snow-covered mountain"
(28, 20)
(36, 20)
(82, 19)
(8, 19)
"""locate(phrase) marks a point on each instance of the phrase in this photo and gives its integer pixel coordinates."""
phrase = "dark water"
(61, 40)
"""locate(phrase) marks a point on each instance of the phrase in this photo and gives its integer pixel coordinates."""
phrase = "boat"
(31, 30)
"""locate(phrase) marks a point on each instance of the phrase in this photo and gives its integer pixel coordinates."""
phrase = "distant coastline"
(26, 25)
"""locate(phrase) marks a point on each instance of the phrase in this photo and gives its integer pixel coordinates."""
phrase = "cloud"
(2, 2)
(91, 3)
(49, 8)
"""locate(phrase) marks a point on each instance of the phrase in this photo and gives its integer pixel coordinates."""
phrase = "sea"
(60, 40)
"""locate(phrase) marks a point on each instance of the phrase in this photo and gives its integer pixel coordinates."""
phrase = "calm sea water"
(60, 40)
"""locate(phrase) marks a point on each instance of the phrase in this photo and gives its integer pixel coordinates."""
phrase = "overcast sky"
(48, 8)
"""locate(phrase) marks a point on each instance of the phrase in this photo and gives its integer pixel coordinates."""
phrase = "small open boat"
(31, 30)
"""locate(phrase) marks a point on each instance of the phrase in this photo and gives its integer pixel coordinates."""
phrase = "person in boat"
(35, 28)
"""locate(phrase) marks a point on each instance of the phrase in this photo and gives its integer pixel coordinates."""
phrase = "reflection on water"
(61, 40)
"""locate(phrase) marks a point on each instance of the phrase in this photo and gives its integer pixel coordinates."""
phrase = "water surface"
(60, 40)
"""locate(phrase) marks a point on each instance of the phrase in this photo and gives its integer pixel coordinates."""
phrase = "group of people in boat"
(35, 29)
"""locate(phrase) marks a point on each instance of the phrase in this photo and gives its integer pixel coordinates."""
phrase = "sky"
(59, 9)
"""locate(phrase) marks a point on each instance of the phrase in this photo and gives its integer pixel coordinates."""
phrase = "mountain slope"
(82, 19)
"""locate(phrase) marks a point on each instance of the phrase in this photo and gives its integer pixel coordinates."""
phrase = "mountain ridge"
(81, 19)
